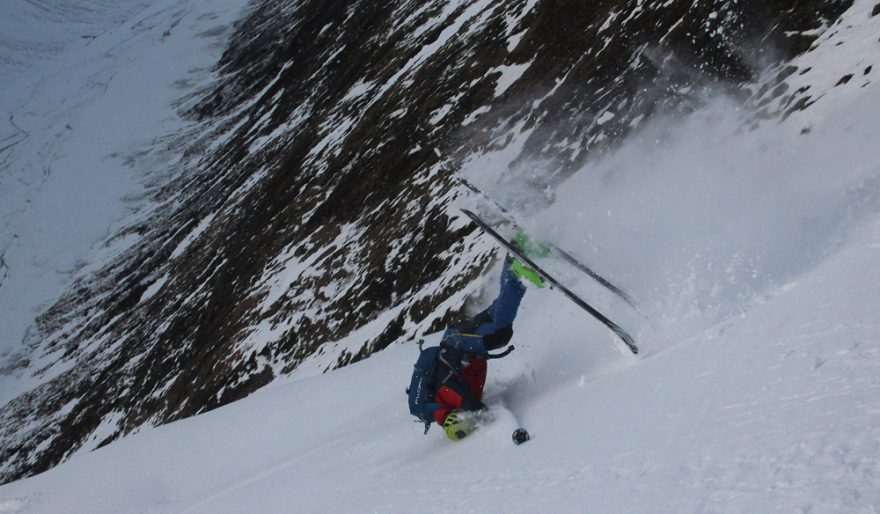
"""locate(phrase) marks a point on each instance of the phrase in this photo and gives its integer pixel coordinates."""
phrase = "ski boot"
(523, 272)
(532, 249)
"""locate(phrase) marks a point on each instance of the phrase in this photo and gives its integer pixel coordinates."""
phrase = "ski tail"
(597, 277)
(512, 248)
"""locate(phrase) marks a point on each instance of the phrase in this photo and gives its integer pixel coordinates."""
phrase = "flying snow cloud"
(701, 216)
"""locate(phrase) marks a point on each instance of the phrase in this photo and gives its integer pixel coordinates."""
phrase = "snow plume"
(701, 217)
(720, 202)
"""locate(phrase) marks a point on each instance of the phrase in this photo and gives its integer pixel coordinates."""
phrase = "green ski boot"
(529, 247)
(524, 272)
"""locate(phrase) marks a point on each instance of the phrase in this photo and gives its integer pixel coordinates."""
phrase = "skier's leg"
(501, 313)
(511, 293)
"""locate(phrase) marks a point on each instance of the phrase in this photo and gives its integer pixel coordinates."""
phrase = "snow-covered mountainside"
(751, 244)
(299, 211)
(89, 104)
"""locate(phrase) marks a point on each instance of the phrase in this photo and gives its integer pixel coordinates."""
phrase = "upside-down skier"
(464, 349)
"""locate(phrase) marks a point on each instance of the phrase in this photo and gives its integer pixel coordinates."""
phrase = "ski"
(595, 276)
(466, 183)
(567, 257)
(510, 246)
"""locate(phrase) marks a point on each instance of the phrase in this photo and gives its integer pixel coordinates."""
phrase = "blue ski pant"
(495, 322)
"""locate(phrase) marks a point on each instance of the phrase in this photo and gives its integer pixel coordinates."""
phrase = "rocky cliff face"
(313, 205)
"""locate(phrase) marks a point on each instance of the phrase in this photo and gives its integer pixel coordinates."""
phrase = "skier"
(464, 349)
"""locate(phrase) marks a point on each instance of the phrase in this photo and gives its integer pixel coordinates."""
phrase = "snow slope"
(773, 410)
(753, 254)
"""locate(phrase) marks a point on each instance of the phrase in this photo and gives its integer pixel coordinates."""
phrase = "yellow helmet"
(457, 428)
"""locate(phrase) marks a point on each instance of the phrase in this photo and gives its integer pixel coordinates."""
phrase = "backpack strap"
(452, 370)
(505, 353)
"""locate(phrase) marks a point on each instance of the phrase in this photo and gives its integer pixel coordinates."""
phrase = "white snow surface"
(773, 410)
(754, 257)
